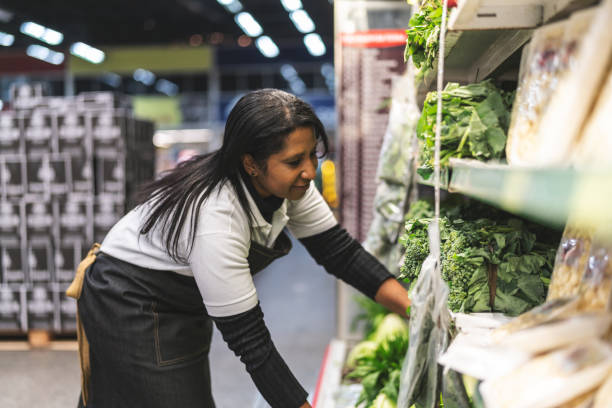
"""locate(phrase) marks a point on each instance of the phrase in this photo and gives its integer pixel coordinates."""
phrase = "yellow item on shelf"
(328, 178)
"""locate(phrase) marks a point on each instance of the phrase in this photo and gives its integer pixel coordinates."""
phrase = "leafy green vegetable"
(476, 250)
(423, 35)
(380, 371)
(475, 120)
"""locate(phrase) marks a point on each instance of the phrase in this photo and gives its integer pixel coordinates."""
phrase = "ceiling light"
(327, 70)
(267, 47)
(248, 24)
(302, 21)
(288, 72)
(233, 6)
(144, 76)
(87, 52)
(297, 86)
(6, 39)
(314, 44)
(166, 87)
(5, 15)
(291, 5)
(42, 33)
(45, 54)
(111, 79)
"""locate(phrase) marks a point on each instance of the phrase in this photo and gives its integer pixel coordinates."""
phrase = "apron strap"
(74, 291)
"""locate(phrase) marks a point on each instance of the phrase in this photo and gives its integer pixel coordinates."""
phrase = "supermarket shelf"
(546, 195)
(516, 14)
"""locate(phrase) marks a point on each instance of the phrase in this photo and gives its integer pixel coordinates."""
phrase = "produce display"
(491, 264)
(376, 361)
(424, 35)
(475, 120)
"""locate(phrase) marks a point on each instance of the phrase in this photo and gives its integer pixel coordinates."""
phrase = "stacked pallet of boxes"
(67, 169)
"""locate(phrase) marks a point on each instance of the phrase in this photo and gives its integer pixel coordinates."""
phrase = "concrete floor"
(298, 300)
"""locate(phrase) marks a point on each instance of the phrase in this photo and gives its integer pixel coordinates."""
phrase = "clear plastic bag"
(570, 262)
(429, 325)
(596, 286)
(553, 379)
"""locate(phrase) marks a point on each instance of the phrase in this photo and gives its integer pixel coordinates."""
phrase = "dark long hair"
(258, 125)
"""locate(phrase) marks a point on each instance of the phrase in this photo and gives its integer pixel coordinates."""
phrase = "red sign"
(374, 38)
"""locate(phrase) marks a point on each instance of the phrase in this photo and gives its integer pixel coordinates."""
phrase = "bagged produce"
(595, 145)
(559, 333)
(596, 285)
(570, 261)
(429, 324)
(552, 379)
(395, 174)
(551, 54)
(603, 396)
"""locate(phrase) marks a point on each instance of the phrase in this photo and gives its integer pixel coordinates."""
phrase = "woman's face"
(289, 172)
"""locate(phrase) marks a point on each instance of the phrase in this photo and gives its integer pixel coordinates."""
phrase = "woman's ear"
(249, 165)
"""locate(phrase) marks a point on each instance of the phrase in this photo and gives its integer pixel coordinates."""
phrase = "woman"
(185, 257)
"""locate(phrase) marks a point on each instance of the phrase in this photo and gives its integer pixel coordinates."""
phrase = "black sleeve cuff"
(345, 258)
(248, 337)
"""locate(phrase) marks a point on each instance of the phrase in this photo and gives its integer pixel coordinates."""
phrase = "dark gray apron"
(149, 333)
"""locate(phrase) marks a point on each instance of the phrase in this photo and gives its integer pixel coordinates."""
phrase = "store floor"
(298, 300)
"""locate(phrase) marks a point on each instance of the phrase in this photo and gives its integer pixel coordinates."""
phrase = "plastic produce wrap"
(595, 146)
(559, 333)
(395, 173)
(541, 69)
(570, 262)
(596, 286)
(603, 396)
(429, 323)
(553, 379)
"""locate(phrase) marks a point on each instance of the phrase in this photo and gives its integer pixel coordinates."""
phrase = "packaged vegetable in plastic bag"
(420, 381)
(603, 396)
(552, 379)
(550, 311)
(596, 285)
(570, 262)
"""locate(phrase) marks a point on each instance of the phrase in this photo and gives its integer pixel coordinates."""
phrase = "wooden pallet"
(37, 339)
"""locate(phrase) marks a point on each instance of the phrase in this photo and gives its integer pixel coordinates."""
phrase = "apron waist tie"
(74, 291)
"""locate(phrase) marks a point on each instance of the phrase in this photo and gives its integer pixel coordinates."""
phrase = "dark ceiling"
(141, 22)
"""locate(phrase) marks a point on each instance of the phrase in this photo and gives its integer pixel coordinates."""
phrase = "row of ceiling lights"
(53, 38)
(300, 18)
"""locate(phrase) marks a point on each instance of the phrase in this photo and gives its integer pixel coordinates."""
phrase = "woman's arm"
(392, 295)
(344, 257)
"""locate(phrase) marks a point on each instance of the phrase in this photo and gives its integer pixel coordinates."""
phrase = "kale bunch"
(423, 35)
(475, 120)
(479, 252)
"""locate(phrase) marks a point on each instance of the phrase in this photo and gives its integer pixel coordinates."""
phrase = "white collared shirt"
(218, 260)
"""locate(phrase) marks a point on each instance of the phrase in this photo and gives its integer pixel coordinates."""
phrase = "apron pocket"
(179, 335)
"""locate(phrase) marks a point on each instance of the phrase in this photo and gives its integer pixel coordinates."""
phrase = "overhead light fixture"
(144, 76)
(112, 79)
(248, 24)
(327, 70)
(291, 5)
(42, 33)
(314, 44)
(6, 39)
(166, 87)
(87, 52)
(288, 72)
(5, 15)
(233, 6)
(267, 47)
(297, 86)
(45, 54)
(302, 21)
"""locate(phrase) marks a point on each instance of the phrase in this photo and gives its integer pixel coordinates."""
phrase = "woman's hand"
(394, 297)
(306, 405)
